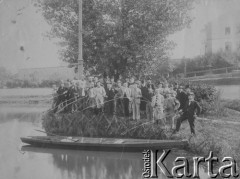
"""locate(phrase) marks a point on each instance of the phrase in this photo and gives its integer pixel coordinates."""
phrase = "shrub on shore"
(207, 95)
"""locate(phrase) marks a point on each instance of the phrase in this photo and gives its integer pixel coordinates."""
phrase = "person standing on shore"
(149, 108)
(171, 104)
(136, 95)
(159, 88)
(190, 112)
(126, 98)
(109, 105)
(131, 86)
(91, 96)
(166, 89)
(150, 84)
(71, 96)
(62, 90)
(100, 94)
(143, 103)
(157, 105)
(182, 97)
(119, 107)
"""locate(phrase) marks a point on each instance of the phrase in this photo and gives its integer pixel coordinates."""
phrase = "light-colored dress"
(157, 104)
(92, 95)
(100, 93)
(159, 90)
(170, 104)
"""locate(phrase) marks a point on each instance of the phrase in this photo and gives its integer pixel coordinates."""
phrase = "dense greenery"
(88, 125)
(208, 61)
(207, 95)
(126, 35)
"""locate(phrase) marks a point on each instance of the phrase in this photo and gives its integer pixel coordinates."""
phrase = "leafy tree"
(208, 61)
(126, 35)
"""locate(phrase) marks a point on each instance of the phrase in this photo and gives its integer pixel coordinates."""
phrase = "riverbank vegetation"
(217, 128)
(232, 104)
(88, 125)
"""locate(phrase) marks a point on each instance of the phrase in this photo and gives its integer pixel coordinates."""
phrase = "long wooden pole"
(80, 55)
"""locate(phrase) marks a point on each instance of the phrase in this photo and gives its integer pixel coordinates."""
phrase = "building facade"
(222, 34)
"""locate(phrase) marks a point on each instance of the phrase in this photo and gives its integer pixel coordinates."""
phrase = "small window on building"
(228, 46)
(227, 30)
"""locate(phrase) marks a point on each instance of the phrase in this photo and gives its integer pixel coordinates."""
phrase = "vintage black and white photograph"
(119, 89)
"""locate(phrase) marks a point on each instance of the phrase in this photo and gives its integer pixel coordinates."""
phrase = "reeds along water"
(85, 122)
(101, 125)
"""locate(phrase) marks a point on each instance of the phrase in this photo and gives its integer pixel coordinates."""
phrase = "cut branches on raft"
(85, 124)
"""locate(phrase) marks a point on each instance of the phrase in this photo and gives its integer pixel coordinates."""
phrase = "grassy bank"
(232, 104)
(215, 132)
(26, 100)
(26, 96)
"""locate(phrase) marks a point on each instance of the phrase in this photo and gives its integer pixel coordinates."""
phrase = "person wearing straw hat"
(190, 112)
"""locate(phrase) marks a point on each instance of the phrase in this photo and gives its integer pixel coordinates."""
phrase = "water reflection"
(95, 165)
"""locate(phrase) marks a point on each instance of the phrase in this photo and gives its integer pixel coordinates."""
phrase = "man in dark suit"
(71, 94)
(190, 112)
(182, 97)
(61, 92)
(110, 93)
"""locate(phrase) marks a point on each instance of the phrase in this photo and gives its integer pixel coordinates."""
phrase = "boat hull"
(103, 144)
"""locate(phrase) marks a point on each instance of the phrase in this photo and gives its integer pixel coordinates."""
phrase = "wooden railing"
(210, 72)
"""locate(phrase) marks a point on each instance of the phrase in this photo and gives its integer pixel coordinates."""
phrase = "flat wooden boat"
(105, 144)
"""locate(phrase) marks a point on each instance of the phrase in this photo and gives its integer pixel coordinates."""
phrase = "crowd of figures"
(162, 102)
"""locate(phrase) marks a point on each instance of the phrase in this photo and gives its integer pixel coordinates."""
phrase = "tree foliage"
(117, 34)
(208, 61)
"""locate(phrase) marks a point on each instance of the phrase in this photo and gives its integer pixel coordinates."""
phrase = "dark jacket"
(182, 97)
(144, 90)
(60, 92)
(151, 85)
(192, 109)
(71, 92)
(110, 93)
(149, 96)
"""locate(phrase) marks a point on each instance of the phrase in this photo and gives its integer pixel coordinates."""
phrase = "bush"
(86, 124)
(207, 95)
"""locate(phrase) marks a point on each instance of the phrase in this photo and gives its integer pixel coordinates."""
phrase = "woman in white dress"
(157, 104)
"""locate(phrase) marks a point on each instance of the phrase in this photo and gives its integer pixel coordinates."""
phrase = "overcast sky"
(23, 45)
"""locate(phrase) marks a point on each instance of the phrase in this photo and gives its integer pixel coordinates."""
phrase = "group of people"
(162, 102)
